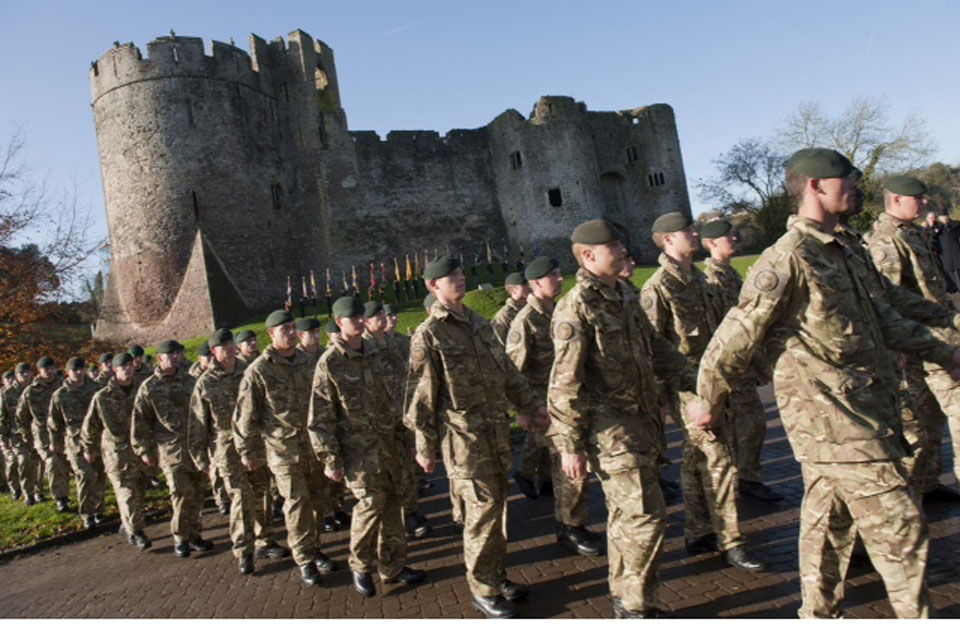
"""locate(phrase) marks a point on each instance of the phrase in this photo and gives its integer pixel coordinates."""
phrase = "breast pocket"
(461, 377)
(612, 345)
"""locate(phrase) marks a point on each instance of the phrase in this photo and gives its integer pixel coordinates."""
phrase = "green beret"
(307, 324)
(220, 337)
(389, 309)
(332, 328)
(204, 350)
(278, 317)
(670, 222)
(7, 374)
(347, 307)
(106, 358)
(820, 163)
(540, 267)
(715, 229)
(136, 351)
(169, 346)
(46, 361)
(245, 335)
(23, 367)
(595, 232)
(905, 186)
(372, 308)
(122, 358)
(76, 362)
(442, 266)
(429, 300)
(514, 279)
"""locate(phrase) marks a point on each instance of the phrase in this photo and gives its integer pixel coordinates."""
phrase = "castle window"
(275, 195)
(190, 111)
(656, 179)
(516, 160)
(632, 155)
(196, 206)
(176, 55)
(286, 92)
(555, 198)
(320, 77)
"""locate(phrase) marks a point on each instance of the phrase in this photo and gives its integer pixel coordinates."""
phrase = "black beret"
(595, 232)
(347, 307)
(76, 362)
(278, 317)
(245, 335)
(204, 350)
(905, 186)
(442, 266)
(23, 367)
(428, 300)
(106, 358)
(46, 361)
(332, 328)
(514, 279)
(122, 358)
(670, 222)
(856, 173)
(820, 163)
(372, 308)
(8, 374)
(307, 324)
(715, 229)
(222, 336)
(136, 351)
(389, 309)
(540, 267)
(169, 346)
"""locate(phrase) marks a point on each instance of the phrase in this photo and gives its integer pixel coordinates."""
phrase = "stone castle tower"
(226, 172)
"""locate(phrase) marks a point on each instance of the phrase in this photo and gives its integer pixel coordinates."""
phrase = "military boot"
(740, 558)
(245, 565)
(273, 551)
(622, 613)
(579, 539)
(325, 564)
(141, 541)
(309, 575)
(495, 607)
(363, 583)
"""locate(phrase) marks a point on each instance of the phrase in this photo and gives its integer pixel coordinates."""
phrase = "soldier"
(160, 434)
(357, 432)
(32, 410)
(106, 435)
(308, 335)
(68, 407)
(270, 427)
(899, 251)
(530, 347)
(604, 396)
(217, 486)
(16, 452)
(204, 356)
(249, 349)
(747, 422)
(141, 369)
(836, 390)
(459, 381)
(517, 292)
(105, 369)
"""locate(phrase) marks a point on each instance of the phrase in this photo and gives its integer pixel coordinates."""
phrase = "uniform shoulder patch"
(418, 354)
(881, 255)
(766, 280)
(513, 337)
(646, 300)
(565, 331)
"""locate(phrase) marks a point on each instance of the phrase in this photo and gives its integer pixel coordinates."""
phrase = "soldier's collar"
(811, 228)
(889, 219)
(368, 347)
(441, 312)
(673, 267)
(271, 354)
(513, 304)
(537, 305)
(601, 287)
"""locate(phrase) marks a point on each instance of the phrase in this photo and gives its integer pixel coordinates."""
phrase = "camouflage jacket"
(530, 346)
(212, 404)
(609, 363)
(272, 407)
(247, 361)
(904, 258)
(33, 409)
(399, 346)
(161, 418)
(457, 390)
(9, 398)
(312, 357)
(806, 301)
(726, 281)
(355, 421)
(397, 371)
(196, 370)
(141, 374)
(103, 377)
(68, 407)
(504, 318)
(106, 427)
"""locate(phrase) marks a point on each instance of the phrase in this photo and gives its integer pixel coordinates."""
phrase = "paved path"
(106, 577)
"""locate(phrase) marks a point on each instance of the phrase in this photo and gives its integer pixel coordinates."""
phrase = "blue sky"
(730, 70)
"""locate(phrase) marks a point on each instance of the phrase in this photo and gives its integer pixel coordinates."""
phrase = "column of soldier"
(593, 376)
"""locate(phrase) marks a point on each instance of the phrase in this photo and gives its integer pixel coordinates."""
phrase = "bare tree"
(748, 176)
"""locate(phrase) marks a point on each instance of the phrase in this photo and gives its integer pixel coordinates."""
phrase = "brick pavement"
(106, 577)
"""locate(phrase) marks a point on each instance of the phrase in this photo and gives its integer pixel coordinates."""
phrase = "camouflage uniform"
(141, 374)
(459, 381)
(398, 345)
(685, 309)
(32, 410)
(355, 427)
(604, 397)
(334, 495)
(530, 347)
(247, 361)
(747, 420)
(504, 318)
(161, 418)
(218, 486)
(899, 252)
(807, 303)
(270, 426)
(17, 452)
(68, 407)
(105, 435)
(211, 410)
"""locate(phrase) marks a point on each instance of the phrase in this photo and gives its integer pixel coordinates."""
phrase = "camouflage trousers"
(378, 538)
(298, 484)
(747, 426)
(29, 467)
(484, 502)
(57, 472)
(535, 461)
(186, 498)
(128, 481)
(409, 477)
(218, 485)
(874, 499)
(946, 391)
(569, 496)
(91, 483)
(636, 525)
(12, 468)
(249, 510)
(916, 464)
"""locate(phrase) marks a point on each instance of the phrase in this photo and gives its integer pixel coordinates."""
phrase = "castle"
(225, 173)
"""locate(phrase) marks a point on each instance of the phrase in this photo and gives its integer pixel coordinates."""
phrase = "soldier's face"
(837, 195)
(249, 346)
(137, 361)
(351, 327)
(377, 323)
(910, 206)
(391, 323)
(226, 353)
(605, 260)
(309, 339)
(724, 247)
(48, 373)
(451, 288)
(24, 377)
(684, 242)
(77, 376)
(284, 336)
(204, 361)
(168, 361)
(519, 291)
(551, 285)
(124, 373)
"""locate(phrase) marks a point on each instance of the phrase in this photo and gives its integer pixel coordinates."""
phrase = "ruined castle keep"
(226, 172)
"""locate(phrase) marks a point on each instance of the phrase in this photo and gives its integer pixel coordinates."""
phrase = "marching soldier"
(18, 451)
(459, 381)
(32, 410)
(357, 432)
(105, 436)
(68, 407)
(204, 356)
(247, 343)
(308, 335)
(105, 369)
(517, 292)
(141, 369)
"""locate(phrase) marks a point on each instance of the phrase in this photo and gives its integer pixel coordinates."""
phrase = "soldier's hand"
(542, 418)
(334, 474)
(574, 465)
(147, 460)
(250, 465)
(698, 415)
(427, 463)
(525, 421)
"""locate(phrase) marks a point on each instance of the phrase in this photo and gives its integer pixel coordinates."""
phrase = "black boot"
(703, 544)
(182, 549)
(200, 544)
(363, 583)
(308, 573)
(63, 505)
(739, 557)
(407, 576)
(342, 518)
(417, 525)
(246, 564)
(273, 551)
(495, 607)
(140, 539)
(579, 539)
(514, 592)
(526, 486)
(759, 491)
(324, 564)
(622, 613)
